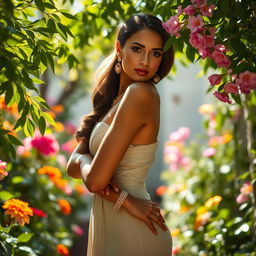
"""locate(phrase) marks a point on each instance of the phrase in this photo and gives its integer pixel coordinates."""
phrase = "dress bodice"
(132, 170)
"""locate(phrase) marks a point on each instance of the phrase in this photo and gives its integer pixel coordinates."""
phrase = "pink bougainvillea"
(45, 145)
(202, 36)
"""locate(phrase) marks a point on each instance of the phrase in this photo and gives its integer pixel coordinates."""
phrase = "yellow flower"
(175, 232)
(19, 210)
(206, 109)
(227, 138)
(59, 127)
(215, 200)
(183, 209)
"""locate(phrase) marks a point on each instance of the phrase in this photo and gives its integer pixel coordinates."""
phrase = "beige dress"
(117, 233)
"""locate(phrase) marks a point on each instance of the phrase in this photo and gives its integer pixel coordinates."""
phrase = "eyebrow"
(143, 46)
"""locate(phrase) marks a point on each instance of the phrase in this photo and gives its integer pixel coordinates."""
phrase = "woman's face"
(141, 55)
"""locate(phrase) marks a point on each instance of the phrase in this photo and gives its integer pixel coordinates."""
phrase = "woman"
(118, 140)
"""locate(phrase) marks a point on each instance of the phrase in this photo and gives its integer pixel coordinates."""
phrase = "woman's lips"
(141, 72)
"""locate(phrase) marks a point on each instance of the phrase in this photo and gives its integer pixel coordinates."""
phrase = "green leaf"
(25, 237)
(50, 60)
(29, 128)
(48, 118)
(17, 179)
(236, 98)
(14, 140)
(169, 43)
(51, 25)
(68, 15)
(40, 5)
(42, 125)
(9, 94)
(5, 195)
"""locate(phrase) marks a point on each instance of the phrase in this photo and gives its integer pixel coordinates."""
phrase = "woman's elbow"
(73, 172)
(93, 187)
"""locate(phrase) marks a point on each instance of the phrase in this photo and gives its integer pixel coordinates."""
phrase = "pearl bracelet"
(120, 200)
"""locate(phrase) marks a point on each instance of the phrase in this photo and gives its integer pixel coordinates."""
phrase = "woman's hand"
(147, 211)
(112, 184)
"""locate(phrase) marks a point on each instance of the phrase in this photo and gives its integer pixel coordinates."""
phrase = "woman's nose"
(144, 59)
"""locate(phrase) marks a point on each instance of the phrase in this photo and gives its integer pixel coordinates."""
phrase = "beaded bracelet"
(120, 200)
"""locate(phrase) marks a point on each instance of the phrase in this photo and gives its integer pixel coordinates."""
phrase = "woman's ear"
(118, 49)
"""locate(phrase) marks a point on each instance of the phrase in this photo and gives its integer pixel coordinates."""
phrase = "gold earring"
(118, 66)
(156, 78)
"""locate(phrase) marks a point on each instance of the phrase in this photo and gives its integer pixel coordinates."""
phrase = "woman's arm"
(76, 159)
(134, 111)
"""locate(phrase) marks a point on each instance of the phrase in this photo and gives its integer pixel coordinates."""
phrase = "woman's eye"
(136, 49)
(157, 54)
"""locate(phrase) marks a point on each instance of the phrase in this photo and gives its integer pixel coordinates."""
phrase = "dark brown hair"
(107, 81)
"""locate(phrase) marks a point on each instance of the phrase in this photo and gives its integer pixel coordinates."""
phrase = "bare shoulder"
(142, 92)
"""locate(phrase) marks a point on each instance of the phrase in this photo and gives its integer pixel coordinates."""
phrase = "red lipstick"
(141, 72)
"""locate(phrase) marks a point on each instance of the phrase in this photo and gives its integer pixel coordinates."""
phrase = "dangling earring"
(118, 67)
(156, 78)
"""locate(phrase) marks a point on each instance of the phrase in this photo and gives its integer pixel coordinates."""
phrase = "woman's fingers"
(114, 185)
(151, 226)
(158, 219)
(106, 190)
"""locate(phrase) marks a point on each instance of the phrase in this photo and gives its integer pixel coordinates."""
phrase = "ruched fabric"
(117, 233)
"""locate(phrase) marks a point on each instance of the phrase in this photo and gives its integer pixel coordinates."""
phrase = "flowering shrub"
(201, 26)
(208, 204)
(39, 203)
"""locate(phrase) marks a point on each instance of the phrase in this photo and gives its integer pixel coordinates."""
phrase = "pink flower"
(70, 128)
(3, 173)
(222, 96)
(241, 198)
(209, 41)
(3, 165)
(77, 230)
(45, 145)
(221, 48)
(190, 10)
(207, 10)
(231, 88)
(215, 79)
(194, 23)
(247, 79)
(196, 40)
(209, 152)
(179, 10)
(212, 30)
(246, 189)
(220, 59)
(173, 26)
(39, 212)
(196, 1)
(204, 53)
(181, 135)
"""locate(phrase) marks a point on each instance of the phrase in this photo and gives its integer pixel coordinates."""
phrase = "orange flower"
(57, 108)
(213, 201)
(81, 189)
(19, 210)
(184, 209)
(161, 190)
(202, 217)
(60, 183)
(227, 138)
(51, 172)
(64, 206)
(62, 249)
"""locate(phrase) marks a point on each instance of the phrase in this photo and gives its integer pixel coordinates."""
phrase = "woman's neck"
(125, 81)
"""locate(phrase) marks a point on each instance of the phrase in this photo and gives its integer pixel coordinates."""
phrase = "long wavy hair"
(107, 80)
